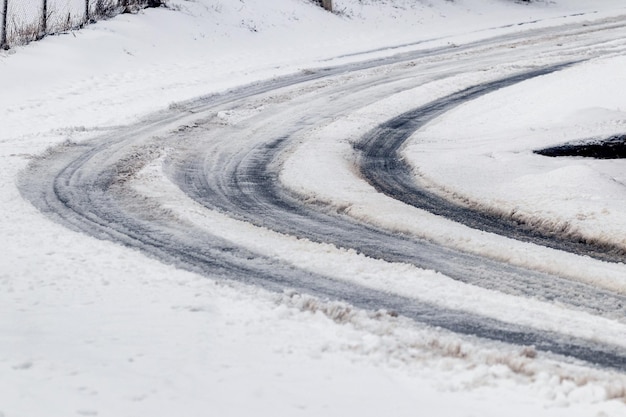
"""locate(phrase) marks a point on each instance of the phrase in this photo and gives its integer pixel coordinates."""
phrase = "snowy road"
(381, 164)
(180, 184)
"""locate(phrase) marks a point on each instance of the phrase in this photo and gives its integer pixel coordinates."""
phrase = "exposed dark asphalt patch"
(612, 148)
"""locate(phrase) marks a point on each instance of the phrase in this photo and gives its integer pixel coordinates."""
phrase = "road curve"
(233, 168)
(382, 165)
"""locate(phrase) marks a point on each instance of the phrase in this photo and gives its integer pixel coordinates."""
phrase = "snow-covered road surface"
(374, 306)
(226, 153)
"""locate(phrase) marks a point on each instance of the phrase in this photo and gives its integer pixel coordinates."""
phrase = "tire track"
(382, 165)
(78, 189)
(84, 187)
(244, 183)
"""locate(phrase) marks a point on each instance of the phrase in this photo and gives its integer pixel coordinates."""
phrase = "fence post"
(44, 20)
(86, 12)
(3, 36)
(328, 5)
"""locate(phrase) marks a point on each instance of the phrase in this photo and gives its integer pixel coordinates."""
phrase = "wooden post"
(328, 5)
(44, 19)
(87, 17)
(3, 36)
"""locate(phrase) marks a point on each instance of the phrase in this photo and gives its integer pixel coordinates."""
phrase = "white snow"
(88, 327)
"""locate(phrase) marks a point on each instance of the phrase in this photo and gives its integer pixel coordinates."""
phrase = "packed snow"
(88, 327)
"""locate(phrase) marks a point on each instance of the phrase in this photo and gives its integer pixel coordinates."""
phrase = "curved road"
(225, 152)
(382, 165)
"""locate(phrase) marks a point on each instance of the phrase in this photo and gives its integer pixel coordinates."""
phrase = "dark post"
(44, 20)
(3, 36)
(328, 5)
(87, 12)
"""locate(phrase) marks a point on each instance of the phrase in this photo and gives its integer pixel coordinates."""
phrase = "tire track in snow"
(79, 188)
(243, 181)
(382, 165)
(82, 187)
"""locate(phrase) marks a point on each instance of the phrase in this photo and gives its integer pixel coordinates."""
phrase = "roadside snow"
(495, 151)
(91, 328)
